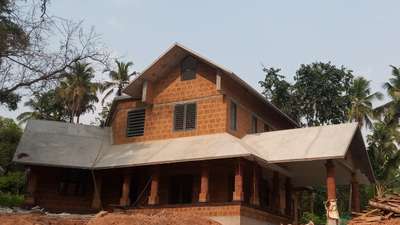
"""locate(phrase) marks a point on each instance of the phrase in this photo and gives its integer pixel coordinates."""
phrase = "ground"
(104, 218)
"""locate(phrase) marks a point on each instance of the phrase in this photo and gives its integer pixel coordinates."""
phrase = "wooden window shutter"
(135, 123)
(190, 116)
(233, 116)
(179, 117)
(185, 116)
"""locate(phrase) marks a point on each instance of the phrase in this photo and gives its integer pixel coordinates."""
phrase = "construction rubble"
(381, 211)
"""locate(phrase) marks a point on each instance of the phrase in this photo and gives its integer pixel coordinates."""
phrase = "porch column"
(276, 200)
(205, 174)
(126, 187)
(332, 212)
(255, 186)
(96, 202)
(288, 192)
(355, 194)
(296, 201)
(31, 188)
(155, 180)
(238, 194)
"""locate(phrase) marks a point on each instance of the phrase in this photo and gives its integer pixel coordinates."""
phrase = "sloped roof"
(172, 56)
(70, 145)
(311, 143)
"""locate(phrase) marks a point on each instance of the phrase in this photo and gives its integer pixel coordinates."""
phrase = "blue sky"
(362, 35)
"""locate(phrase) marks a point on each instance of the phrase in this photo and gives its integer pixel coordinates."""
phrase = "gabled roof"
(172, 57)
(89, 147)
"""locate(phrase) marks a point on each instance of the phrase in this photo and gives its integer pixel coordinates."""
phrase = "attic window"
(185, 116)
(135, 123)
(188, 68)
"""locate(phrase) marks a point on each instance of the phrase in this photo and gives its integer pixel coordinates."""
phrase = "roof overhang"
(297, 153)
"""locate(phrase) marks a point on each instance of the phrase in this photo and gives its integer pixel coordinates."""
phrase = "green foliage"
(12, 182)
(10, 133)
(11, 200)
(46, 105)
(361, 98)
(322, 91)
(280, 92)
(384, 154)
(119, 79)
(319, 95)
(316, 219)
(78, 91)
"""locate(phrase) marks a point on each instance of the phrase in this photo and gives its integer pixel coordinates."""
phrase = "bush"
(307, 217)
(12, 182)
(11, 200)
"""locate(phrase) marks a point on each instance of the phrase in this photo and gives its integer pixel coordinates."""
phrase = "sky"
(362, 35)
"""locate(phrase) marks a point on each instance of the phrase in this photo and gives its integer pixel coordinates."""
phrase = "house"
(191, 136)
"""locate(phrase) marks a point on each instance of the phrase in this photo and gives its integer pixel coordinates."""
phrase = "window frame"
(254, 124)
(233, 122)
(144, 122)
(192, 77)
(184, 128)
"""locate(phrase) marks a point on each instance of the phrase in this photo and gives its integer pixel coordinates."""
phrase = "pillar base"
(153, 200)
(124, 202)
(203, 197)
(238, 196)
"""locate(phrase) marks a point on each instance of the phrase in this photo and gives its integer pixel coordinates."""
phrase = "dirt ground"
(104, 218)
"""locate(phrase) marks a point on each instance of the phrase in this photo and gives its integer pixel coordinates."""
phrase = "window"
(233, 116)
(185, 116)
(73, 182)
(188, 68)
(254, 124)
(135, 123)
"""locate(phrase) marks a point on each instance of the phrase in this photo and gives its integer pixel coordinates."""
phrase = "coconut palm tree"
(45, 106)
(119, 79)
(384, 154)
(78, 91)
(361, 98)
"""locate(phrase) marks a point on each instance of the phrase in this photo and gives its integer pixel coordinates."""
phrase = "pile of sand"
(105, 218)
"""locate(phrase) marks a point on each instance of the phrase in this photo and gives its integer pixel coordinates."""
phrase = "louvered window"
(233, 116)
(135, 123)
(188, 68)
(185, 116)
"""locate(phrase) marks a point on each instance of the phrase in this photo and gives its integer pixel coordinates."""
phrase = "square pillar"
(31, 188)
(255, 186)
(288, 192)
(204, 195)
(355, 194)
(276, 195)
(331, 205)
(126, 187)
(96, 202)
(238, 194)
(155, 181)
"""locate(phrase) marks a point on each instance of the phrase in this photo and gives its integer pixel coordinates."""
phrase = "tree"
(28, 63)
(384, 154)
(45, 106)
(78, 91)
(361, 98)
(280, 92)
(119, 79)
(10, 133)
(102, 116)
(322, 92)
